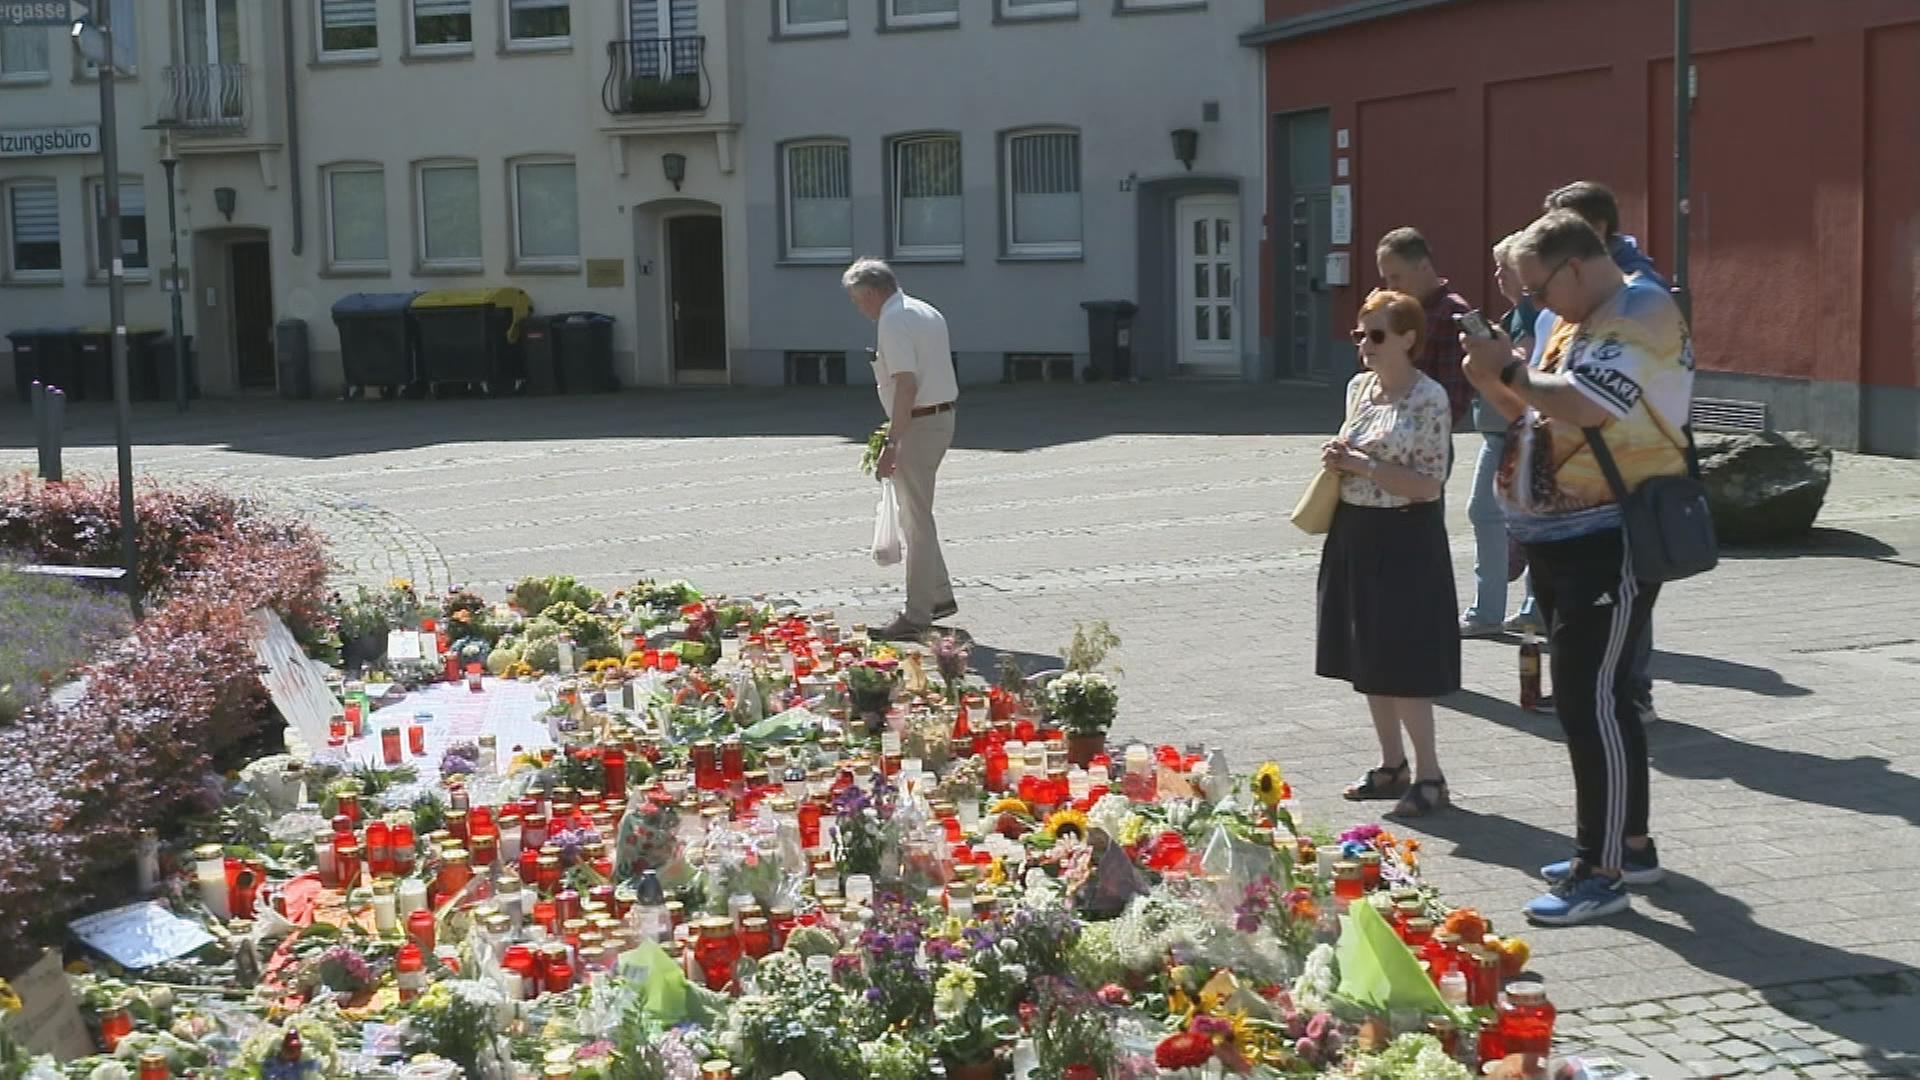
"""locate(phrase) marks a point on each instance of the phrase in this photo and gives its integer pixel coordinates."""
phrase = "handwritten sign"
(48, 1021)
(293, 681)
(141, 935)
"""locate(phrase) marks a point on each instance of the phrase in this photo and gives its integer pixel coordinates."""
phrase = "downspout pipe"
(295, 177)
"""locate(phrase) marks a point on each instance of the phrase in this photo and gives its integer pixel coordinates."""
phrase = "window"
(546, 214)
(1159, 5)
(649, 19)
(349, 30)
(819, 201)
(23, 54)
(923, 12)
(1038, 9)
(210, 33)
(538, 22)
(450, 216)
(812, 16)
(356, 217)
(443, 26)
(927, 198)
(33, 230)
(126, 41)
(133, 227)
(1043, 193)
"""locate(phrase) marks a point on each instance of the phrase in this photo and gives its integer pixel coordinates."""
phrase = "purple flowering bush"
(168, 706)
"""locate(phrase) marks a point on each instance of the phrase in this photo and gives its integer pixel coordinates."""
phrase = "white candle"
(510, 843)
(410, 896)
(210, 873)
(385, 915)
(859, 889)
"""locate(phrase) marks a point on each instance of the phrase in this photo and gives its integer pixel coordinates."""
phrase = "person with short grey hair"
(913, 373)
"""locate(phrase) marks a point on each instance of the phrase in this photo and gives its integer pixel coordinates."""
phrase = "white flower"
(108, 1070)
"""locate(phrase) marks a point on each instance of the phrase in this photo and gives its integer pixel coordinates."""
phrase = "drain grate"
(1724, 414)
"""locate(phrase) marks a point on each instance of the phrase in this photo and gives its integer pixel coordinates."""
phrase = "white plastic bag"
(889, 546)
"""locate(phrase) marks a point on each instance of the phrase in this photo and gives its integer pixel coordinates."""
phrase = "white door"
(1207, 244)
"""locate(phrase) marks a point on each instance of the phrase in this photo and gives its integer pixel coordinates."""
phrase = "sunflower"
(1065, 823)
(1268, 785)
(9, 1000)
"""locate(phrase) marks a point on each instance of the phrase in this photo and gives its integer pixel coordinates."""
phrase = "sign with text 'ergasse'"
(49, 141)
(41, 12)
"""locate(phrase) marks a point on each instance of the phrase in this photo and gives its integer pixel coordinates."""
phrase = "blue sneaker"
(1579, 900)
(1638, 868)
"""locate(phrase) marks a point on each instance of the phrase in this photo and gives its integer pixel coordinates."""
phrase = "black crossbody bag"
(1668, 522)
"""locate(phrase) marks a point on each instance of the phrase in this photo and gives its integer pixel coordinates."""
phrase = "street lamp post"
(95, 39)
(169, 161)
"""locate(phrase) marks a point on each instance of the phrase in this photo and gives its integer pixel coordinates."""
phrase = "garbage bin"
(160, 367)
(376, 341)
(1109, 338)
(472, 336)
(93, 361)
(585, 351)
(542, 354)
(294, 358)
(42, 354)
(142, 382)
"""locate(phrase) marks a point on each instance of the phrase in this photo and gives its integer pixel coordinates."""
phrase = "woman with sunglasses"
(1387, 620)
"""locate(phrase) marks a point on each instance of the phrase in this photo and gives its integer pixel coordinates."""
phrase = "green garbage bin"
(376, 341)
(472, 337)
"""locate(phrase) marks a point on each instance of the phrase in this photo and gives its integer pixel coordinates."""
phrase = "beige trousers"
(918, 460)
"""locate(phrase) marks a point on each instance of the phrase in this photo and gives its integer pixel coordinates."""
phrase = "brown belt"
(929, 410)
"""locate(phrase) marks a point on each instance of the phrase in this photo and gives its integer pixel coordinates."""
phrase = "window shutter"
(36, 214)
(348, 14)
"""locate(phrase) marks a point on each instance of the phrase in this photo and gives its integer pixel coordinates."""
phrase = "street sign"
(66, 140)
(42, 12)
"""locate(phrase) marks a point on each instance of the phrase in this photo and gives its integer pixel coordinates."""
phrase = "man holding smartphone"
(913, 373)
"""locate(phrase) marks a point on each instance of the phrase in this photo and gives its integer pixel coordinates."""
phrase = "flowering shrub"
(165, 706)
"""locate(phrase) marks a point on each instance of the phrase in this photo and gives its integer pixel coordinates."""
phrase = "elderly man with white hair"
(913, 371)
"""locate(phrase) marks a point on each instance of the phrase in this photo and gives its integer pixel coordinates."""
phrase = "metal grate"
(1038, 367)
(816, 369)
(1723, 414)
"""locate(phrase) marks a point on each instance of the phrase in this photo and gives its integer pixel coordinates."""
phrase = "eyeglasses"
(1375, 335)
(1538, 294)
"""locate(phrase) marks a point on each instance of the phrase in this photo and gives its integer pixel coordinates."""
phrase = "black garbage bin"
(376, 341)
(293, 357)
(471, 336)
(542, 354)
(1110, 339)
(585, 352)
(163, 358)
(142, 382)
(42, 354)
(93, 360)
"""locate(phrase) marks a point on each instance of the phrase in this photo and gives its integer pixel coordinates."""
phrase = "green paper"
(663, 988)
(790, 726)
(1377, 970)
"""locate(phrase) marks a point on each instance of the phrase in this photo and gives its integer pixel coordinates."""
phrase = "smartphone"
(1474, 324)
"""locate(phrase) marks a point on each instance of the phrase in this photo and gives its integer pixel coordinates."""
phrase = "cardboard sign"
(296, 684)
(403, 645)
(49, 1019)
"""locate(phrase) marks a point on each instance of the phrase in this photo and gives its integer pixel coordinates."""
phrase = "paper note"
(141, 935)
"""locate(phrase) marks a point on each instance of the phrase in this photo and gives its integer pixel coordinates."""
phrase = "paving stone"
(1737, 1049)
(1645, 1027)
(1731, 999)
(1606, 1015)
(1688, 1005)
(1646, 1010)
(1804, 1055)
(1777, 1040)
(1714, 1067)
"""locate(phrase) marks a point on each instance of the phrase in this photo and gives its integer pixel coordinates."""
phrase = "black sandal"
(1385, 782)
(1418, 803)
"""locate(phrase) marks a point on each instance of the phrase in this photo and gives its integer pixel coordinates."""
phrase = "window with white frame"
(23, 54)
(819, 200)
(538, 22)
(449, 215)
(133, 227)
(1037, 9)
(1042, 191)
(922, 12)
(927, 197)
(33, 229)
(546, 214)
(813, 16)
(356, 217)
(444, 26)
(349, 29)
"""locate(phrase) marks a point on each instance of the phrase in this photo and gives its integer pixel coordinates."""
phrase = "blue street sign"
(42, 12)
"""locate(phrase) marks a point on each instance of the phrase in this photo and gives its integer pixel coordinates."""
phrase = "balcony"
(656, 75)
(206, 98)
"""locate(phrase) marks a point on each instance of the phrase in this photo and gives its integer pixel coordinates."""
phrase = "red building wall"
(1806, 155)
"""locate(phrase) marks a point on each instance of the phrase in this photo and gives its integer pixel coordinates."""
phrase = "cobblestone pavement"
(1786, 768)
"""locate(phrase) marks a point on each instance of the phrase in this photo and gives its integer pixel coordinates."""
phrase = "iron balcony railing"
(207, 97)
(656, 75)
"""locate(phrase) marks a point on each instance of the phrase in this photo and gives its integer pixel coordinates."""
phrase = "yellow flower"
(1268, 785)
(9, 1001)
(1067, 822)
(886, 652)
(400, 584)
(997, 872)
(1009, 805)
(1133, 830)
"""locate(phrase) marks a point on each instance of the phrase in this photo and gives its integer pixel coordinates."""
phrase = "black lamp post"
(170, 160)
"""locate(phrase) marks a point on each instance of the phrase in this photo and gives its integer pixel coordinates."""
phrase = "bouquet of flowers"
(1085, 702)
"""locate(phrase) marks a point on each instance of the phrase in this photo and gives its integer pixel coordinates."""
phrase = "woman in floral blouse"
(1386, 598)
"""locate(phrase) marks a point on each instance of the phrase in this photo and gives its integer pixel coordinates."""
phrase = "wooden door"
(252, 278)
(697, 297)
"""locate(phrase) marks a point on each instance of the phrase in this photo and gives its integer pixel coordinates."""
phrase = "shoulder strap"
(1598, 444)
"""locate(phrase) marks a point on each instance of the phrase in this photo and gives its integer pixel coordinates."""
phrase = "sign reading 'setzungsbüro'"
(48, 141)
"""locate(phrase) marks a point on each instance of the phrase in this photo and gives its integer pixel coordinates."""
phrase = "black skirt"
(1389, 621)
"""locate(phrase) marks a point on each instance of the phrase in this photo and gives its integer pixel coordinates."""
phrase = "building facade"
(584, 152)
(1014, 159)
(1457, 116)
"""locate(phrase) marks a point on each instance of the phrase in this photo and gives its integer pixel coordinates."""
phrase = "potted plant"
(968, 1034)
(870, 686)
(1085, 703)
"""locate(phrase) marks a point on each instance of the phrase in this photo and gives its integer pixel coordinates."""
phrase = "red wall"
(1806, 169)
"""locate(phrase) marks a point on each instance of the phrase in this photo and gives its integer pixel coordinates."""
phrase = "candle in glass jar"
(322, 853)
(401, 846)
(153, 1065)
(390, 745)
(409, 896)
(420, 929)
(475, 677)
(1347, 883)
(386, 918)
(210, 874)
(347, 862)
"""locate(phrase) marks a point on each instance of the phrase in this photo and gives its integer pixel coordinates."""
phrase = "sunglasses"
(1375, 335)
(1538, 294)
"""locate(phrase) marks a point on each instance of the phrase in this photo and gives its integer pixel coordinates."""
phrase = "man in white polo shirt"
(913, 371)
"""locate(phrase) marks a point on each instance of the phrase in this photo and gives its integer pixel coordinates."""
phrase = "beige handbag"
(1313, 514)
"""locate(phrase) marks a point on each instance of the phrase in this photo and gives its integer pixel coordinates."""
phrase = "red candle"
(379, 847)
(559, 977)
(390, 745)
(115, 1024)
(613, 765)
(733, 759)
(401, 849)
(420, 929)
(416, 741)
(474, 677)
(351, 714)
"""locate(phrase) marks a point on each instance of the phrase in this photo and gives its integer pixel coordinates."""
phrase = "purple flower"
(873, 995)
(1247, 923)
